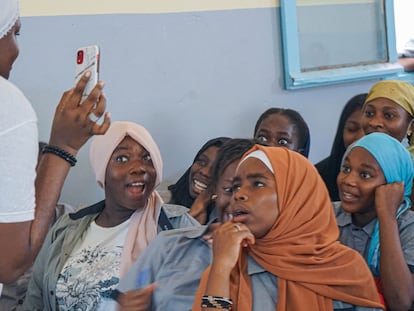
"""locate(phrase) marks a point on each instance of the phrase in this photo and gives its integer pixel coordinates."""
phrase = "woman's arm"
(227, 243)
(35, 288)
(20, 242)
(407, 63)
(136, 299)
(396, 278)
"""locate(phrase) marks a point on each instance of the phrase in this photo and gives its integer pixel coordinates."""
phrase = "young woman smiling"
(389, 108)
(374, 214)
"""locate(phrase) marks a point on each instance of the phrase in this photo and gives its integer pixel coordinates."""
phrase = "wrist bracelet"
(60, 153)
(216, 302)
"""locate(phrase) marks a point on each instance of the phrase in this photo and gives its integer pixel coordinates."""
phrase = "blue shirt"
(176, 259)
(358, 237)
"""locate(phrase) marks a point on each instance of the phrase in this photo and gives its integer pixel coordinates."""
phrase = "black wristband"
(216, 302)
(60, 153)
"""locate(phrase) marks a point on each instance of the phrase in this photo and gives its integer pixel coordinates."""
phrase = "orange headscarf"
(301, 248)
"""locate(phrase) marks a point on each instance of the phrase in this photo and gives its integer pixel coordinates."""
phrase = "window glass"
(335, 41)
(338, 35)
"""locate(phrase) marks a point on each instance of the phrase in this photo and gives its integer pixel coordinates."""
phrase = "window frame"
(295, 78)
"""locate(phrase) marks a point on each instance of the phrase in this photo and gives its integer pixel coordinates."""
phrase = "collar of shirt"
(344, 219)
(253, 267)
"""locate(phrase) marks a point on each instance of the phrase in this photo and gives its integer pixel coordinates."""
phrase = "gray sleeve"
(407, 243)
(35, 290)
(174, 261)
(184, 221)
(336, 205)
(143, 270)
(179, 217)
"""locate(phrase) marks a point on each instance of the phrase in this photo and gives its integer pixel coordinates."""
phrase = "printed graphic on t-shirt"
(88, 279)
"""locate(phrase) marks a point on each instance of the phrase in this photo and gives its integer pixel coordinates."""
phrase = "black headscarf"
(329, 167)
(180, 190)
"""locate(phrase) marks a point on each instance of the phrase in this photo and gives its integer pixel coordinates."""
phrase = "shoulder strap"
(93, 209)
(164, 222)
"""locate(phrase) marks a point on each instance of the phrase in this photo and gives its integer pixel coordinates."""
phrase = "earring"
(213, 197)
(410, 137)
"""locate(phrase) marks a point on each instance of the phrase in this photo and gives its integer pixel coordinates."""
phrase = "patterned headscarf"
(397, 166)
(302, 247)
(9, 14)
(143, 225)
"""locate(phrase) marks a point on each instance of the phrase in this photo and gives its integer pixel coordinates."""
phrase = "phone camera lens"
(79, 58)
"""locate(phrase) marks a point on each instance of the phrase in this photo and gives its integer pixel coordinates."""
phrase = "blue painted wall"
(187, 77)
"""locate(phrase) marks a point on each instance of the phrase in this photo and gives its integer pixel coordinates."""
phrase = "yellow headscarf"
(400, 92)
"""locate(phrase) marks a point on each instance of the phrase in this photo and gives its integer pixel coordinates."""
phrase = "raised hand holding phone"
(71, 128)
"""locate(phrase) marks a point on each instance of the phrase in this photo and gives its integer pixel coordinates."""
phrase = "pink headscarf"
(9, 14)
(143, 225)
(103, 146)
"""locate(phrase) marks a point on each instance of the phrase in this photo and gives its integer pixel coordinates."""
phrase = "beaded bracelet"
(216, 302)
(60, 153)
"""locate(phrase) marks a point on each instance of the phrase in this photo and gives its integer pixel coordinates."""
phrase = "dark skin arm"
(137, 299)
(20, 242)
(397, 280)
(407, 63)
(227, 243)
(199, 208)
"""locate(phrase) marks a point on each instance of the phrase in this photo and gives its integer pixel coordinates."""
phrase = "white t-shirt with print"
(92, 270)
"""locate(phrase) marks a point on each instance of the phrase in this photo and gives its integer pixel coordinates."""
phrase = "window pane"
(334, 34)
(335, 41)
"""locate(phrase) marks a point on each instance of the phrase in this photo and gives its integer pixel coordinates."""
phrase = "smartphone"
(87, 59)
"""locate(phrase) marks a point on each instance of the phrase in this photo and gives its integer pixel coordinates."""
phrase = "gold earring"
(410, 137)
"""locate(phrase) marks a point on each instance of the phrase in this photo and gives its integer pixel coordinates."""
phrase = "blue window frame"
(332, 41)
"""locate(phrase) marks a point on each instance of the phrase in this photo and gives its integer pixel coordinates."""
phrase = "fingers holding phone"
(72, 125)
